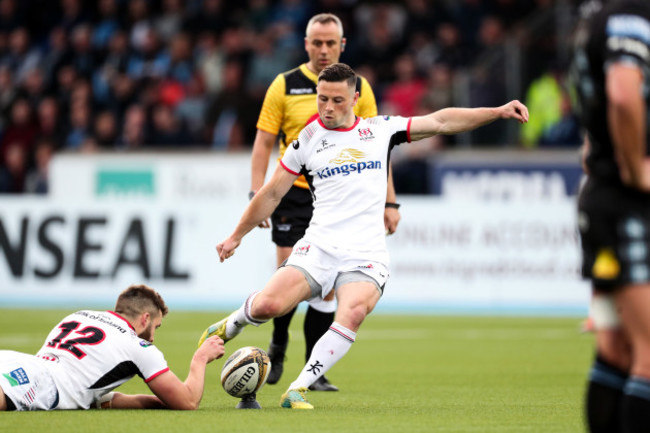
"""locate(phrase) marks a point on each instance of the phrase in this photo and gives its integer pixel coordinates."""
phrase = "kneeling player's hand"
(212, 348)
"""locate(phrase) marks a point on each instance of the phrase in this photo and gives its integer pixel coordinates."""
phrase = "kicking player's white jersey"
(347, 170)
(89, 353)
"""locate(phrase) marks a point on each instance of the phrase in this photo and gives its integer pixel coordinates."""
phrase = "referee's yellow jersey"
(290, 102)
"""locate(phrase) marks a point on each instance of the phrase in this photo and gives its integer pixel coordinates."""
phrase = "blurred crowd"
(124, 75)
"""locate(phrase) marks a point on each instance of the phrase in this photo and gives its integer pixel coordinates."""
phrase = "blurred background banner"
(116, 220)
(126, 130)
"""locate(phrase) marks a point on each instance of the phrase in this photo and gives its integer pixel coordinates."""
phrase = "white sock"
(328, 350)
(241, 317)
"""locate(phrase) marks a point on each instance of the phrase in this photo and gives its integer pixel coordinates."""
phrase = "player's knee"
(267, 308)
(352, 317)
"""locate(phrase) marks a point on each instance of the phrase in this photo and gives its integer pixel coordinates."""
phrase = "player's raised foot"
(295, 399)
(276, 355)
(218, 329)
(322, 384)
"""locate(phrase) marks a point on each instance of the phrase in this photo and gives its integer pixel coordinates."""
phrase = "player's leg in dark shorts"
(291, 217)
(614, 227)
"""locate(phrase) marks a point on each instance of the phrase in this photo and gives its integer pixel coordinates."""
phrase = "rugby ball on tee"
(245, 371)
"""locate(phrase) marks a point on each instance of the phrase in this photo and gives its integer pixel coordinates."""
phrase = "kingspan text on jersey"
(346, 169)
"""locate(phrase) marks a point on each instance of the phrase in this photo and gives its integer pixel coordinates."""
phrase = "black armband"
(392, 205)
(251, 194)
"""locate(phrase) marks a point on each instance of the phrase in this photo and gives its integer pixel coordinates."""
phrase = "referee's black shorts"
(291, 217)
(614, 224)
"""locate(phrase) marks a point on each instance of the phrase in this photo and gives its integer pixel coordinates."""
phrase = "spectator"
(115, 62)
(148, 61)
(33, 87)
(50, 126)
(8, 95)
(21, 130)
(56, 55)
(402, 96)
(209, 61)
(167, 130)
(105, 130)
(180, 58)
(9, 19)
(21, 56)
(209, 18)
(170, 21)
(73, 14)
(12, 174)
(79, 125)
(229, 113)
(106, 24)
(134, 130)
(191, 110)
(36, 180)
(83, 58)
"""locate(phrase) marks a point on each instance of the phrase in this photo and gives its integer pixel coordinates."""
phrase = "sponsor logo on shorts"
(284, 227)
(606, 266)
(17, 377)
(303, 250)
(368, 266)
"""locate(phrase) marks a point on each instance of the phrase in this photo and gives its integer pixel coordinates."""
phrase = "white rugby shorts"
(324, 264)
(27, 382)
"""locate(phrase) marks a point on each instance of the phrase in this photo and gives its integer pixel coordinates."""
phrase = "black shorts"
(614, 227)
(291, 217)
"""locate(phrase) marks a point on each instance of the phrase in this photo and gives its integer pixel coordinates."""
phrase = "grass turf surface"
(403, 374)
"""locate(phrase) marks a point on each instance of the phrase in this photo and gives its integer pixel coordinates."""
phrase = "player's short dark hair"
(138, 299)
(337, 72)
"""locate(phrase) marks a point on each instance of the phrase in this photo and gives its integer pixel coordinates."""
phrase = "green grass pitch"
(405, 373)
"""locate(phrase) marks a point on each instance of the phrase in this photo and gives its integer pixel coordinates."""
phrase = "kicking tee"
(347, 171)
(90, 353)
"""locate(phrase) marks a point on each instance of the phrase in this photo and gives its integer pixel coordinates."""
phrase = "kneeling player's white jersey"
(89, 353)
(347, 170)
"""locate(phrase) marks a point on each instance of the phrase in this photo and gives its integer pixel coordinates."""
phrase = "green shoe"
(295, 399)
(218, 329)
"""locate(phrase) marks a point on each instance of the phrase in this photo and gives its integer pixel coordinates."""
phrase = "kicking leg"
(286, 288)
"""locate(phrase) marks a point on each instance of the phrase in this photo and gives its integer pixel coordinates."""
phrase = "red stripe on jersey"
(288, 169)
(312, 118)
(408, 130)
(155, 375)
(120, 317)
(357, 119)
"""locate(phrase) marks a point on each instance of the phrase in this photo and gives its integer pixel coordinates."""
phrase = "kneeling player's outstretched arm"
(456, 120)
(117, 400)
(187, 395)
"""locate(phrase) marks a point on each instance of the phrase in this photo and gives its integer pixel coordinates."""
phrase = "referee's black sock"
(316, 325)
(604, 397)
(635, 412)
(281, 328)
